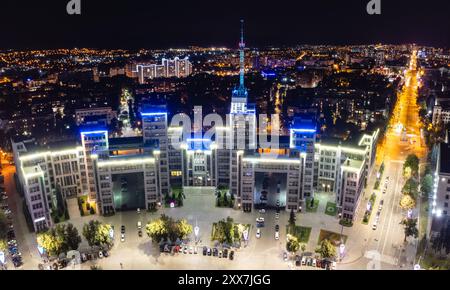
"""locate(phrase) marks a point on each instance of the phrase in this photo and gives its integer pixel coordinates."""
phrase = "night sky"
(164, 23)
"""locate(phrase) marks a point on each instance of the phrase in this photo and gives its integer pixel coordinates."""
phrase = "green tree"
(166, 228)
(303, 247)
(411, 188)
(292, 218)
(410, 228)
(72, 238)
(180, 199)
(407, 202)
(3, 226)
(157, 230)
(426, 185)
(97, 233)
(412, 161)
(224, 231)
(3, 245)
(292, 244)
(184, 229)
(51, 241)
(327, 250)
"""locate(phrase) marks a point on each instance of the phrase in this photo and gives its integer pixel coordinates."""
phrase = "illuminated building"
(440, 199)
(82, 115)
(168, 68)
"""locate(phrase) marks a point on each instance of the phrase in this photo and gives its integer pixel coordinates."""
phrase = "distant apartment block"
(168, 68)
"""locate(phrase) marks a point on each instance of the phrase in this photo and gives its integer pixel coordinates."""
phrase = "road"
(402, 138)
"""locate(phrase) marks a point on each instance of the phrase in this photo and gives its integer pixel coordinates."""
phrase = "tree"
(51, 242)
(411, 188)
(97, 233)
(72, 238)
(184, 229)
(225, 199)
(224, 231)
(410, 228)
(427, 185)
(3, 245)
(292, 245)
(407, 202)
(327, 250)
(292, 218)
(3, 226)
(412, 161)
(303, 247)
(180, 199)
(157, 230)
(166, 228)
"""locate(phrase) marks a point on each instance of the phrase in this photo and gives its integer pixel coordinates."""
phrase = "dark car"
(277, 228)
(232, 255)
(319, 263)
(215, 252)
(297, 261)
(140, 233)
(122, 229)
(205, 250)
(225, 253)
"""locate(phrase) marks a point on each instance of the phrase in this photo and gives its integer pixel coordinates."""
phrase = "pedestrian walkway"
(72, 207)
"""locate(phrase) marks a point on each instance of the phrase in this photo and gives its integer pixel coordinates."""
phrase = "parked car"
(139, 225)
(220, 254)
(215, 252)
(138, 210)
(225, 253)
(185, 250)
(232, 255)
(314, 263)
(258, 233)
(122, 229)
(303, 261)
(333, 265)
(277, 235)
(209, 252)
(297, 261)
(100, 254)
(122, 237)
(277, 215)
(285, 256)
(140, 233)
(262, 211)
(191, 250)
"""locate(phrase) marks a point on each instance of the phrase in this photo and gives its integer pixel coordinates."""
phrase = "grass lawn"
(314, 207)
(302, 233)
(331, 209)
(333, 237)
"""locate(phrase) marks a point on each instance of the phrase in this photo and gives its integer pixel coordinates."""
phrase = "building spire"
(241, 57)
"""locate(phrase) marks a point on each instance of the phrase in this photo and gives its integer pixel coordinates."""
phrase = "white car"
(303, 261)
(262, 211)
(333, 266)
(277, 235)
(314, 263)
(277, 215)
(260, 220)
(139, 225)
(8, 211)
(100, 254)
(258, 233)
(122, 237)
(374, 226)
(138, 210)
